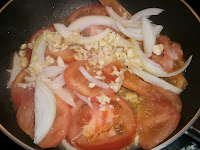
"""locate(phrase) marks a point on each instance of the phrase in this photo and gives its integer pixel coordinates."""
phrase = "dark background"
(183, 141)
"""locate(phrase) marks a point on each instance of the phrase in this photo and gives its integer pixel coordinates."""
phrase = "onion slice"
(52, 71)
(63, 30)
(92, 39)
(155, 80)
(85, 99)
(66, 145)
(45, 111)
(84, 22)
(38, 50)
(135, 35)
(58, 82)
(92, 79)
(146, 12)
(149, 38)
(15, 69)
(65, 95)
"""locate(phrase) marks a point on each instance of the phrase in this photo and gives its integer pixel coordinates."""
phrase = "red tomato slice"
(170, 97)
(26, 116)
(59, 129)
(132, 81)
(77, 82)
(87, 10)
(112, 129)
(155, 122)
(19, 94)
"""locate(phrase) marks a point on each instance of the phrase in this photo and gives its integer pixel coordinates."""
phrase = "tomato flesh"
(155, 122)
(77, 82)
(111, 129)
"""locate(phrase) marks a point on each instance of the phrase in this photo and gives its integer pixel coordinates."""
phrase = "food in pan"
(104, 80)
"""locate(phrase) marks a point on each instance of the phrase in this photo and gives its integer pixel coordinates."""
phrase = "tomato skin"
(87, 10)
(19, 94)
(77, 82)
(106, 139)
(155, 122)
(59, 129)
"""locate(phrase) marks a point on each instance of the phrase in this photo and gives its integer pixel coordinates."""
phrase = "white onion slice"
(129, 34)
(84, 22)
(66, 145)
(65, 95)
(156, 81)
(63, 30)
(58, 82)
(92, 39)
(149, 38)
(45, 111)
(15, 69)
(154, 68)
(156, 29)
(85, 99)
(146, 12)
(52, 71)
(92, 79)
(39, 48)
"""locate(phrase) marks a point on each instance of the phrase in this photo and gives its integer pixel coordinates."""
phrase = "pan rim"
(160, 146)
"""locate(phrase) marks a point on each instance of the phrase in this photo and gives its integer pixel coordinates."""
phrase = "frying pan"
(22, 18)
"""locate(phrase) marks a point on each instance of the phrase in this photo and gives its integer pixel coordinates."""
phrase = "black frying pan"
(22, 18)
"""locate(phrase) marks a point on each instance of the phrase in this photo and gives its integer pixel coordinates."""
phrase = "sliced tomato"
(112, 129)
(77, 82)
(67, 55)
(59, 129)
(170, 97)
(87, 10)
(132, 81)
(20, 94)
(93, 30)
(26, 116)
(155, 122)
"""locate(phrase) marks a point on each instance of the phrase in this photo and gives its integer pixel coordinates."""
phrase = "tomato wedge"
(77, 82)
(155, 122)
(132, 81)
(20, 94)
(87, 10)
(59, 129)
(112, 129)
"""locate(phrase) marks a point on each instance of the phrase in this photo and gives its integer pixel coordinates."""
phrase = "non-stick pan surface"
(24, 17)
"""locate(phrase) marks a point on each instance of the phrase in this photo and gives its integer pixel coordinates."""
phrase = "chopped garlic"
(60, 61)
(91, 85)
(158, 49)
